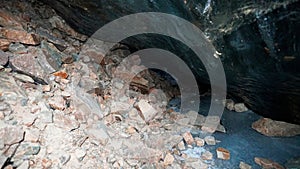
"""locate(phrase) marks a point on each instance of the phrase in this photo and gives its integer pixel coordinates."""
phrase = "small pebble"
(210, 140)
(46, 88)
(188, 138)
(223, 153)
(199, 142)
(207, 155)
(244, 165)
(80, 154)
(181, 146)
(169, 159)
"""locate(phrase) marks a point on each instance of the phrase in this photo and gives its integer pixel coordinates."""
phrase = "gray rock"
(60, 24)
(64, 158)
(1, 144)
(240, 107)
(57, 103)
(24, 165)
(55, 40)
(46, 116)
(229, 104)
(171, 140)
(132, 162)
(23, 78)
(34, 64)
(11, 134)
(32, 135)
(53, 55)
(198, 164)
(207, 155)
(2, 159)
(63, 121)
(10, 90)
(27, 149)
(27, 118)
(17, 48)
(3, 58)
(5, 108)
(65, 94)
(99, 134)
(80, 154)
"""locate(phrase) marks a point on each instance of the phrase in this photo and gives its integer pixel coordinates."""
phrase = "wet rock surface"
(73, 113)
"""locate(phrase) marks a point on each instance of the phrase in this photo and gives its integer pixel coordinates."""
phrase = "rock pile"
(66, 105)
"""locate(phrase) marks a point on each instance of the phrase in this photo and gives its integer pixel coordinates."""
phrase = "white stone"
(181, 146)
(188, 138)
(223, 153)
(57, 103)
(169, 159)
(210, 140)
(46, 116)
(244, 165)
(24, 165)
(65, 94)
(46, 88)
(240, 107)
(199, 142)
(32, 135)
(99, 134)
(148, 112)
(120, 106)
(64, 158)
(207, 155)
(132, 162)
(211, 124)
(230, 104)
(23, 78)
(80, 154)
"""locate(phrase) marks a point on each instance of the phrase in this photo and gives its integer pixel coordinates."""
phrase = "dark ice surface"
(244, 143)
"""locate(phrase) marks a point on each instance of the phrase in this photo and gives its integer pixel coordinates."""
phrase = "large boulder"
(259, 42)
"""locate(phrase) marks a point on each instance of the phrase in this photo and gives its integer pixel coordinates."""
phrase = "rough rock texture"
(34, 64)
(3, 58)
(78, 120)
(20, 36)
(257, 40)
(223, 153)
(244, 165)
(267, 164)
(273, 128)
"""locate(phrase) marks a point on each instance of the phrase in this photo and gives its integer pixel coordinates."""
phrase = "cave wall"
(259, 42)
